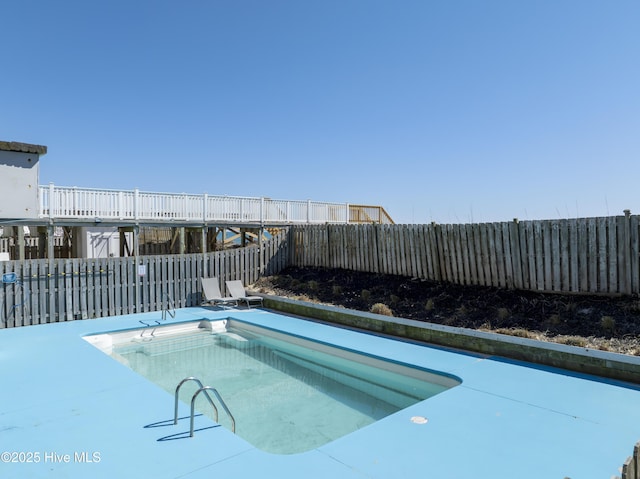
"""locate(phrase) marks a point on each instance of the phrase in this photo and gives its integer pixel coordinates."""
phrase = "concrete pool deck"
(68, 410)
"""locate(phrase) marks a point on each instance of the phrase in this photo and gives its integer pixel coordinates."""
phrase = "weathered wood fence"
(631, 467)
(591, 255)
(31, 248)
(47, 291)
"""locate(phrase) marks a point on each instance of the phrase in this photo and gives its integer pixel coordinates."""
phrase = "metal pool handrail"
(222, 403)
(170, 309)
(206, 390)
(175, 408)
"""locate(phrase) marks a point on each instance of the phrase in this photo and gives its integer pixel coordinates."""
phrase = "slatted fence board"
(634, 253)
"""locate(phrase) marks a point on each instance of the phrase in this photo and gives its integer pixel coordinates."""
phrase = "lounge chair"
(236, 290)
(211, 293)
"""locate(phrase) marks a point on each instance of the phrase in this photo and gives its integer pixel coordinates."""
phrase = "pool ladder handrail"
(170, 307)
(222, 403)
(206, 390)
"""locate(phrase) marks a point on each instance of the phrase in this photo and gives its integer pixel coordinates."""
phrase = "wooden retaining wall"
(588, 255)
(47, 291)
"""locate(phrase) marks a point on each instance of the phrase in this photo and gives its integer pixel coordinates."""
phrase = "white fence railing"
(95, 204)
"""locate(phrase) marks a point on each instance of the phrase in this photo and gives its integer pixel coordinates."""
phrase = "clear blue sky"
(451, 111)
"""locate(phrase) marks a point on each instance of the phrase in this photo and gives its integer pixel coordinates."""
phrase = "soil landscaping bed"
(609, 323)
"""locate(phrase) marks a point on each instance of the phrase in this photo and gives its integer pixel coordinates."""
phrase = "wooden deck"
(69, 205)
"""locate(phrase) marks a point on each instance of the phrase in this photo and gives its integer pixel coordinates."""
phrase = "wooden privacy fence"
(592, 255)
(31, 248)
(631, 467)
(46, 291)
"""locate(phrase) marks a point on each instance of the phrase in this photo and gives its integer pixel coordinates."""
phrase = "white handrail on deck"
(97, 204)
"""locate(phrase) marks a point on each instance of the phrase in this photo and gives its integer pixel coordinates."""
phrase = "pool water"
(287, 394)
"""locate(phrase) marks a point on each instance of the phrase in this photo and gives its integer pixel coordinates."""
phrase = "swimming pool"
(286, 394)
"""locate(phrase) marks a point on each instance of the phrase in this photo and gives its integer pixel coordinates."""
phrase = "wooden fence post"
(516, 263)
(635, 254)
(626, 253)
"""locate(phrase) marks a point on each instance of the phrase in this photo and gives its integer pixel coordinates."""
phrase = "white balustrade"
(60, 202)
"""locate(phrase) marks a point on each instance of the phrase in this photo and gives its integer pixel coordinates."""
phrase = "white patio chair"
(211, 293)
(237, 291)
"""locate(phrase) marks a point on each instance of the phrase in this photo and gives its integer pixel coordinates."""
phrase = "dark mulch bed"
(596, 321)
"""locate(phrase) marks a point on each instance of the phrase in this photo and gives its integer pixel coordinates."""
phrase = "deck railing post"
(120, 205)
(205, 201)
(308, 211)
(51, 200)
(75, 207)
(136, 206)
(346, 216)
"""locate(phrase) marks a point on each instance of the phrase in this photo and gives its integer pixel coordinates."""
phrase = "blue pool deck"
(68, 410)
